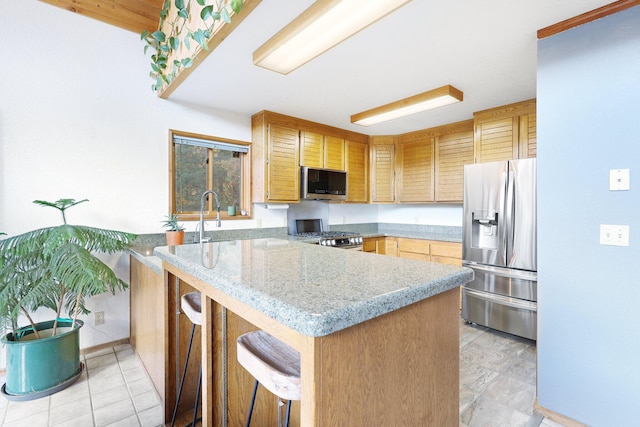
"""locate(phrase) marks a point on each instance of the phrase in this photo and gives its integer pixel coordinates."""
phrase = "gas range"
(312, 229)
(338, 239)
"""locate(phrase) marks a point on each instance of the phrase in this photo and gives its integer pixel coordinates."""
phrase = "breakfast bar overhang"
(378, 336)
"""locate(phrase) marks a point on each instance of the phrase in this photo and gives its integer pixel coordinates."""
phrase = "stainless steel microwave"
(322, 184)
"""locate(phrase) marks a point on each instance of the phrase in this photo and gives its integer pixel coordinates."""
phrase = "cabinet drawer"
(446, 260)
(446, 249)
(414, 255)
(414, 245)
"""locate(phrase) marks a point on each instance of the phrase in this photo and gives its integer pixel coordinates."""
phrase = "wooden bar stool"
(273, 364)
(191, 306)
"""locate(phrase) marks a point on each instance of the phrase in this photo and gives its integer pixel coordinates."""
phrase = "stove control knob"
(333, 242)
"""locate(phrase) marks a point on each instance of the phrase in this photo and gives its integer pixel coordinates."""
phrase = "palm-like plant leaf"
(55, 266)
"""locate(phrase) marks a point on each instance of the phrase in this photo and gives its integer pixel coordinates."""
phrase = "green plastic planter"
(40, 367)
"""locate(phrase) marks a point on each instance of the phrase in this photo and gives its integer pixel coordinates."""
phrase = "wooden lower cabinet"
(147, 330)
(446, 253)
(424, 250)
(414, 249)
(375, 245)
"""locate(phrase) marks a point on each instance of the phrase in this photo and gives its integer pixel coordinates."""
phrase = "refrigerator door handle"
(502, 223)
(506, 301)
(509, 208)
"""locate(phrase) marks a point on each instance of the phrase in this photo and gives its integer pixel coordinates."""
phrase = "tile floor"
(497, 388)
(497, 379)
(114, 390)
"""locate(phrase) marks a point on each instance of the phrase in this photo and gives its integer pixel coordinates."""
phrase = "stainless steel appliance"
(499, 244)
(312, 229)
(322, 184)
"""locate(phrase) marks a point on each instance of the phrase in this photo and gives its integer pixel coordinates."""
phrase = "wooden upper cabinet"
(281, 144)
(382, 154)
(414, 171)
(504, 133)
(430, 163)
(283, 175)
(528, 136)
(320, 151)
(334, 157)
(453, 150)
(357, 162)
(311, 149)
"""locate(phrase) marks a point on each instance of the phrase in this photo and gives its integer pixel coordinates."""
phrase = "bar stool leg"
(253, 401)
(195, 408)
(184, 373)
(286, 420)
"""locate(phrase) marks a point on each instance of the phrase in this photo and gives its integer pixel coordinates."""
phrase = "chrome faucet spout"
(202, 199)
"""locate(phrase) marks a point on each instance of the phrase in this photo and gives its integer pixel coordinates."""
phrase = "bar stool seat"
(273, 364)
(190, 304)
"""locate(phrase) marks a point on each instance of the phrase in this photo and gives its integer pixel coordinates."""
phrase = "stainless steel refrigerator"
(499, 244)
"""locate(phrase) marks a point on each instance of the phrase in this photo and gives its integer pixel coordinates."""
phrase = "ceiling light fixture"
(323, 25)
(435, 98)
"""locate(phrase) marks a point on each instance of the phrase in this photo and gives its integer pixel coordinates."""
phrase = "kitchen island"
(378, 336)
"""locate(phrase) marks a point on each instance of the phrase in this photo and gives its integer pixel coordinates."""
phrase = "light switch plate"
(619, 179)
(615, 235)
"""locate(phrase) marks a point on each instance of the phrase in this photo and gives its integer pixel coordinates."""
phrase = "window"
(199, 163)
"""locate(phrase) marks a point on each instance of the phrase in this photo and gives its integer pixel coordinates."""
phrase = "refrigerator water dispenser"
(484, 232)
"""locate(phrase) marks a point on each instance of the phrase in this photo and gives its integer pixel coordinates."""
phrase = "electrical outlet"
(98, 318)
(615, 235)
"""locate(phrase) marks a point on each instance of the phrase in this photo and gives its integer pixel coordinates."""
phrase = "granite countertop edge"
(332, 320)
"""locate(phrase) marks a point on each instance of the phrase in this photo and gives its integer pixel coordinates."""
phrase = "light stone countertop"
(312, 289)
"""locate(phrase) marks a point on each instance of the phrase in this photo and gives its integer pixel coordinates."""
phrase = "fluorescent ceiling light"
(435, 98)
(323, 25)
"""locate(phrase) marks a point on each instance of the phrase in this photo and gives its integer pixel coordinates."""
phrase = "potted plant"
(175, 231)
(55, 268)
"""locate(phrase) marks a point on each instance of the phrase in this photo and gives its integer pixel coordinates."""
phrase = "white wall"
(447, 215)
(78, 120)
(588, 123)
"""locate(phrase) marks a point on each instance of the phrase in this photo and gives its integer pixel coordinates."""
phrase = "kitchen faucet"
(218, 222)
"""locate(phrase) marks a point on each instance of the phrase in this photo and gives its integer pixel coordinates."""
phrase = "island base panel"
(400, 369)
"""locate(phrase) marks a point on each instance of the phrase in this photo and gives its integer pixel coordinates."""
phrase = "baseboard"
(558, 418)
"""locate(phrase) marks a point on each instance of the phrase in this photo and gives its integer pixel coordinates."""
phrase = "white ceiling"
(485, 48)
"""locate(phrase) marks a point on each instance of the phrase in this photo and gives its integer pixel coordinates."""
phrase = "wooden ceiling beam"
(132, 15)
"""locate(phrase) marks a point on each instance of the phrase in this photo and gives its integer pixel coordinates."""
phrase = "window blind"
(219, 145)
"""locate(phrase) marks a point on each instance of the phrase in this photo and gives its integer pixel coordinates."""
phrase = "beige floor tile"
(65, 412)
(109, 397)
(146, 400)
(105, 378)
(140, 386)
(103, 360)
(20, 410)
(85, 420)
(77, 391)
(152, 417)
(134, 374)
(115, 412)
(131, 421)
(40, 419)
